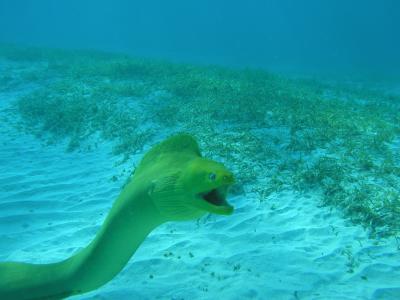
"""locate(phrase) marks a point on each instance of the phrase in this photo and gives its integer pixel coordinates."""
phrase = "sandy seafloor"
(52, 202)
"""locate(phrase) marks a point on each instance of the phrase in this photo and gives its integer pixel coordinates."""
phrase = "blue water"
(297, 36)
(300, 100)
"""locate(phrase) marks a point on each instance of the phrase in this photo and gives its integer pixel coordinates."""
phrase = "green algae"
(67, 109)
(338, 140)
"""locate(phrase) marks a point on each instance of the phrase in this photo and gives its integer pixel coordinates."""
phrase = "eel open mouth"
(214, 197)
(215, 201)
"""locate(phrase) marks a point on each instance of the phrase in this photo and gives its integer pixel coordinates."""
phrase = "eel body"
(171, 183)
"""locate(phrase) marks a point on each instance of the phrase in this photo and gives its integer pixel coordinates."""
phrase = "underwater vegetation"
(275, 133)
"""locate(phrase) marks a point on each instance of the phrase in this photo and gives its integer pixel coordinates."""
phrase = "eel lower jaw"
(214, 201)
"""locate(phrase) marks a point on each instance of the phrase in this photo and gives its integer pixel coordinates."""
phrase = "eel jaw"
(214, 201)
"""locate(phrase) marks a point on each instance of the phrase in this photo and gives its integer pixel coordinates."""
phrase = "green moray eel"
(171, 183)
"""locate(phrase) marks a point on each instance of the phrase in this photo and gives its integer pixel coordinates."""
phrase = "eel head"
(207, 183)
(185, 185)
(200, 187)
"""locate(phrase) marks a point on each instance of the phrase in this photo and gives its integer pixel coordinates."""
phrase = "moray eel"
(171, 183)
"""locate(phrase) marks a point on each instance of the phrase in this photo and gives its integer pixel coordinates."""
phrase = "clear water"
(300, 100)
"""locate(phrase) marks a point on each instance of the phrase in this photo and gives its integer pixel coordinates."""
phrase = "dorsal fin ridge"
(179, 143)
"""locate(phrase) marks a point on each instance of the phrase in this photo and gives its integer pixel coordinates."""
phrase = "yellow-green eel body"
(171, 183)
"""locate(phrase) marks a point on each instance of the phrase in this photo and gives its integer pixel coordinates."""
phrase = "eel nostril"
(227, 177)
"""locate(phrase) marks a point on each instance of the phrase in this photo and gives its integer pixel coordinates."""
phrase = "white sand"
(53, 202)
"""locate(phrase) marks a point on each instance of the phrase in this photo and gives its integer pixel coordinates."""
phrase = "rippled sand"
(286, 247)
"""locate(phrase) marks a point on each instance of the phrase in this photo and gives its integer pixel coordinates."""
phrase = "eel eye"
(212, 176)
